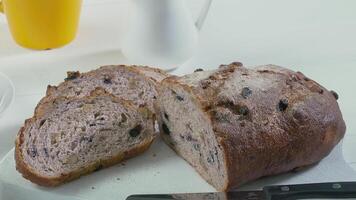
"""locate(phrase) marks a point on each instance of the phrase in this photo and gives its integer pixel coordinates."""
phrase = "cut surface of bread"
(235, 124)
(184, 128)
(76, 136)
(135, 83)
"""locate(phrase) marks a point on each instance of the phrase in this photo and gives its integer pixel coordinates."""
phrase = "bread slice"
(76, 136)
(235, 124)
(136, 83)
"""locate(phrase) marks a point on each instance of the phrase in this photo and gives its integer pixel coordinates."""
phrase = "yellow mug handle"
(1, 8)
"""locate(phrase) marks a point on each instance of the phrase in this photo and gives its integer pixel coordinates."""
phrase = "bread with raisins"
(236, 124)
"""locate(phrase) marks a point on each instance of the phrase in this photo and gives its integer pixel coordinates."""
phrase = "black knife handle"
(335, 190)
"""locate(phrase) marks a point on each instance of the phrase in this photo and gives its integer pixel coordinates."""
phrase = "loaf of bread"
(76, 136)
(235, 124)
(135, 83)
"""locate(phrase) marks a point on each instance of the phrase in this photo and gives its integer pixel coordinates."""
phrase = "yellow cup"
(42, 24)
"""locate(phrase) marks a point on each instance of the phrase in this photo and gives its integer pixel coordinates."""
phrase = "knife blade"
(334, 190)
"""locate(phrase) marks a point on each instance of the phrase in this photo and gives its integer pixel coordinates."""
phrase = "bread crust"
(282, 121)
(28, 173)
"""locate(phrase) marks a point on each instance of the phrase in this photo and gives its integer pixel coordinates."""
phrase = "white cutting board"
(157, 171)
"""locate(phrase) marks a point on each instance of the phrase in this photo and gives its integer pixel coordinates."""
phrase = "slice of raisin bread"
(136, 83)
(76, 136)
(234, 124)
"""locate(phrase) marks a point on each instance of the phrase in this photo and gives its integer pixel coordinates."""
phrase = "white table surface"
(317, 37)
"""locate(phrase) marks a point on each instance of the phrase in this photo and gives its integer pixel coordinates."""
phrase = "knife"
(335, 190)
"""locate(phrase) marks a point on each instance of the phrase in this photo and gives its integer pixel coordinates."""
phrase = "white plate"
(157, 171)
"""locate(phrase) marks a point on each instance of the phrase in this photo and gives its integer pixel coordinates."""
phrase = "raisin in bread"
(136, 83)
(234, 124)
(76, 136)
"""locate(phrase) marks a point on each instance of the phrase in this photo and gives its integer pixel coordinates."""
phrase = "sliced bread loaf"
(234, 124)
(135, 83)
(76, 136)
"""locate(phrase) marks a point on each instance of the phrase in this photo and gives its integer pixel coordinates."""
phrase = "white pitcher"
(162, 32)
